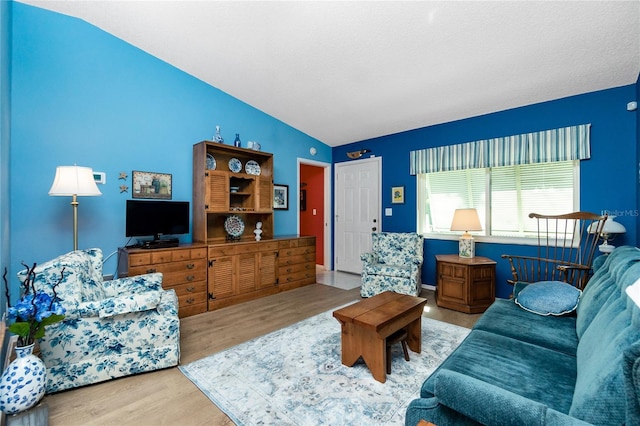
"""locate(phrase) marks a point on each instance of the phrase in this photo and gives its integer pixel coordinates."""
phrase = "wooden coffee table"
(367, 324)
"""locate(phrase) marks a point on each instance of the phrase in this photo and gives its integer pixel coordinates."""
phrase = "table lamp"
(609, 231)
(74, 181)
(466, 220)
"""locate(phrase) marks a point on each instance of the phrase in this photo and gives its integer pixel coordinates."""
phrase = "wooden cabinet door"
(217, 191)
(246, 272)
(267, 264)
(265, 195)
(221, 277)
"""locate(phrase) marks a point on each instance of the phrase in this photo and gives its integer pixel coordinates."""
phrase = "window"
(503, 196)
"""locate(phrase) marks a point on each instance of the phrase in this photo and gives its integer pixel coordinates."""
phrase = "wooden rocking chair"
(566, 246)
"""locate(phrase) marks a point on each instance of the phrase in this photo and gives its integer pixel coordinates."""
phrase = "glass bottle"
(237, 142)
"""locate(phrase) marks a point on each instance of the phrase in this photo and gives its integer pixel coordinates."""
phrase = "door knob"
(374, 229)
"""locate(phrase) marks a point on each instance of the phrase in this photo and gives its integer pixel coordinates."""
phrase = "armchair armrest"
(134, 284)
(131, 303)
(369, 257)
(489, 404)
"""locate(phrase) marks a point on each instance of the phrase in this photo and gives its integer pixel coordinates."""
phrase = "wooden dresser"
(184, 269)
(296, 262)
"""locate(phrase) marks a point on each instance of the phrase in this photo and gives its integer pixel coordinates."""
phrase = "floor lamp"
(74, 181)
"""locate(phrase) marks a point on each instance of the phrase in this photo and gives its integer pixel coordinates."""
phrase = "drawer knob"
(151, 270)
(308, 266)
(289, 279)
(190, 300)
(289, 252)
(191, 266)
(288, 262)
(190, 278)
(191, 289)
(288, 269)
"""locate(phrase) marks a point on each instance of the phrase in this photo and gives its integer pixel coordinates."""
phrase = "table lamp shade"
(74, 180)
(466, 220)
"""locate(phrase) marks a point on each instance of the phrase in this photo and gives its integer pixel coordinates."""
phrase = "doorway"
(314, 207)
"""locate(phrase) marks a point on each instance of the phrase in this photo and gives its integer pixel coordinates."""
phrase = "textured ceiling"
(346, 71)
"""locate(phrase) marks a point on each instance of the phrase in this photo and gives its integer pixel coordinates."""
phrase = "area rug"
(294, 376)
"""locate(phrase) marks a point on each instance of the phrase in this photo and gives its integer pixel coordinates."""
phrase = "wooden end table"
(367, 324)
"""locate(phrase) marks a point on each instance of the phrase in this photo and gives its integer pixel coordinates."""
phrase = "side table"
(465, 285)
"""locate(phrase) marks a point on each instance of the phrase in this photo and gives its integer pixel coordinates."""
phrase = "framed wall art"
(151, 185)
(280, 197)
(397, 195)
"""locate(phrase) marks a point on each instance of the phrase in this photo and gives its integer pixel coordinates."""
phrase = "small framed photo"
(280, 197)
(397, 195)
(151, 185)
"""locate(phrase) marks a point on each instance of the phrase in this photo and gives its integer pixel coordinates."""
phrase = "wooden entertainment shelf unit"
(219, 269)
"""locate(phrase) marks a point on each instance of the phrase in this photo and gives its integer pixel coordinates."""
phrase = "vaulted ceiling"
(347, 71)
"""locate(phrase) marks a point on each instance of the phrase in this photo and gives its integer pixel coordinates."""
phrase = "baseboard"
(429, 287)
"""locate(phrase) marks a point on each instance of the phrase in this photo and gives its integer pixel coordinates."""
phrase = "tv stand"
(160, 243)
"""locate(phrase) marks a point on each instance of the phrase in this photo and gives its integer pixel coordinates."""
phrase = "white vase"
(23, 383)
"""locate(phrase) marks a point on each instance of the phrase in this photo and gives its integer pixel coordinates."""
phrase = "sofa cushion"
(549, 298)
(603, 285)
(73, 267)
(92, 290)
(397, 248)
(600, 396)
(400, 271)
(507, 319)
(537, 373)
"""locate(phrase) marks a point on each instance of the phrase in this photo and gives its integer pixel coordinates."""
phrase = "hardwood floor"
(167, 397)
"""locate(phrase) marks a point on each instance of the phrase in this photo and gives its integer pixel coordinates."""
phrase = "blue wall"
(608, 180)
(5, 138)
(82, 96)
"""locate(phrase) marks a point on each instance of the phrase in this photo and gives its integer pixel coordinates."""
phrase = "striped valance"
(565, 144)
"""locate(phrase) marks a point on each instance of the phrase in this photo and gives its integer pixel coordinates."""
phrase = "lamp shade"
(613, 227)
(466, 220)
(74, 180)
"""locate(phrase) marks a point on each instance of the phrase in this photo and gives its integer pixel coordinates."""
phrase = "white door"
(357, 207)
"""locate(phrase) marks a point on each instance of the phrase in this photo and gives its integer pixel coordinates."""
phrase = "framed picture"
(397, 195)
(280, 197)
(151, 185)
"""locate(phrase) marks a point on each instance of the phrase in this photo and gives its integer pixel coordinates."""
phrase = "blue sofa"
(521, 368)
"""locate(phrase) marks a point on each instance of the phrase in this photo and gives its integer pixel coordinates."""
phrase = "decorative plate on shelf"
(235, 165)
(252, 168)
(234, 226)
(211, 162)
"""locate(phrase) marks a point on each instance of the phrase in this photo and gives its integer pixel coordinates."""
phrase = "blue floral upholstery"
(394, 264)
(111, 328)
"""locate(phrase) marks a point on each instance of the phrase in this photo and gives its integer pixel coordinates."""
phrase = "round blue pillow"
(549, 298)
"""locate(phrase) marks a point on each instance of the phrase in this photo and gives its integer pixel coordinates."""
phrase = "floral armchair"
(111, 328)
(394, 264)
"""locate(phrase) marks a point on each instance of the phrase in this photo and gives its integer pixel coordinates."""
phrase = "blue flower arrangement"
(35, 309)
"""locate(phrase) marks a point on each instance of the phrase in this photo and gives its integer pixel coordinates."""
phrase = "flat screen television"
(157, 218)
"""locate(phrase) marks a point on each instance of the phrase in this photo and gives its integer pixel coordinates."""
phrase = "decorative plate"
(234, 226)
(235, 165)
(252, 168)
(211, 162)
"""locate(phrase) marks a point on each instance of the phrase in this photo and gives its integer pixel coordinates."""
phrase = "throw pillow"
(549, 298)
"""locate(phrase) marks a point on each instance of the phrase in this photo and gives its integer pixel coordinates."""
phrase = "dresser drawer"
(222, 251)
(165, 268)
(297, 276)
(196, 289)
(170, 279)
(292, 260)
(299, 267)
(294, 251)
